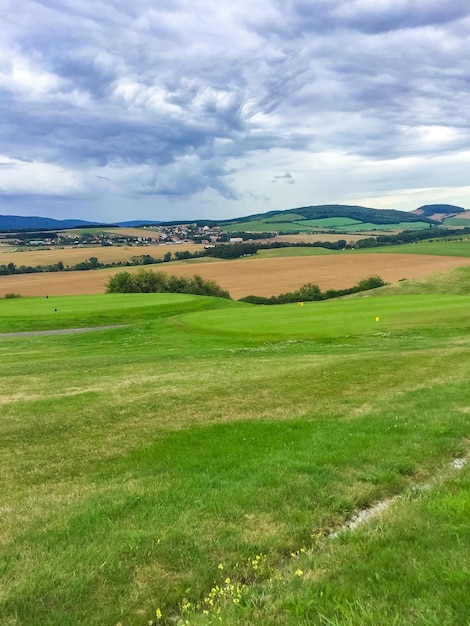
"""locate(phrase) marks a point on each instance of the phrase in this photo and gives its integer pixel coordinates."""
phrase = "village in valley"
(110, 236)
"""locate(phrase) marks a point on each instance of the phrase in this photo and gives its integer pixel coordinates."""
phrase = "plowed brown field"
(264, 277)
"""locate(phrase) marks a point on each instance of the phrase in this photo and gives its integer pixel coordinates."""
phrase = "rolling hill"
(340, 218)
(328, 217)
(438, 212)
(325, 211)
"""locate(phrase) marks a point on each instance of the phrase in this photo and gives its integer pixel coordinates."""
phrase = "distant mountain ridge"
(18, 222)
(432, 213)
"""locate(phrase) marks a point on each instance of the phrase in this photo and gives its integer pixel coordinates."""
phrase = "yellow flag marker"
(377, 319)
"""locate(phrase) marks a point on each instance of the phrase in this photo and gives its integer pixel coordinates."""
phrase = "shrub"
(146, 281)
(370, 283)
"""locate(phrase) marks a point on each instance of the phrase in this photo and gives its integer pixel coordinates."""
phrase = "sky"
(183, 109)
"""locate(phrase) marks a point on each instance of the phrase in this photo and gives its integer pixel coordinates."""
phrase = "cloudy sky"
(169, 109)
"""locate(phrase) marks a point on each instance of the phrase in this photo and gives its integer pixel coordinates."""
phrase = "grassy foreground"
(190, 466)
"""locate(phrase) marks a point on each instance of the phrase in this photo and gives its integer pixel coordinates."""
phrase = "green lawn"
(210, 441)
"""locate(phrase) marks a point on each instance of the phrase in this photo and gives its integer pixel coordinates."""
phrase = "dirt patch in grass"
(242, 277)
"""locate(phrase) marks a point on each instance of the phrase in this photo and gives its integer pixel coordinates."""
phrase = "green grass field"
(450, 247)
(190, 466)
(345, 225)
(266, 226)
(333, 222)
(456, 221)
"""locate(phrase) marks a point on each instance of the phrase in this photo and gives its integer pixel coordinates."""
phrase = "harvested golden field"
(264, 277)
(104, 254)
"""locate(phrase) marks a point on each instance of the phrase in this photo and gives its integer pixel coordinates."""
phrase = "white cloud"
(203, 105)
(19, 177)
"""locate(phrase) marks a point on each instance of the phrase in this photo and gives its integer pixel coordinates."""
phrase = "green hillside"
(326, 217)
(457, 221)
(456, 281)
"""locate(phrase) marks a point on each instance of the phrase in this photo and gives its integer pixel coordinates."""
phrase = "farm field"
(292, 222)
(192, 466)
(259, 276)
(346, 225)
(104, 254)
(311, 238)
(461, 220)
(114, 254)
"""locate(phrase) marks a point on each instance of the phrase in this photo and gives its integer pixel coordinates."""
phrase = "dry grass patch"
(258, 526)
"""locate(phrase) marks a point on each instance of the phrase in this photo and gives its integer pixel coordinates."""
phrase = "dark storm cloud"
(382, 17)
(302, 17)
(173, 98)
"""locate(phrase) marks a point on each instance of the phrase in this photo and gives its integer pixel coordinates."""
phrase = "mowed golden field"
(73, 254)
(242, 277)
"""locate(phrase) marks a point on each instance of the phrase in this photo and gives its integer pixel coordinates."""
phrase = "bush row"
(310, 292)
(146, 281)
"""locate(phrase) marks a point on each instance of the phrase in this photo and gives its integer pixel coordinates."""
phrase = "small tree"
(121, 283)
